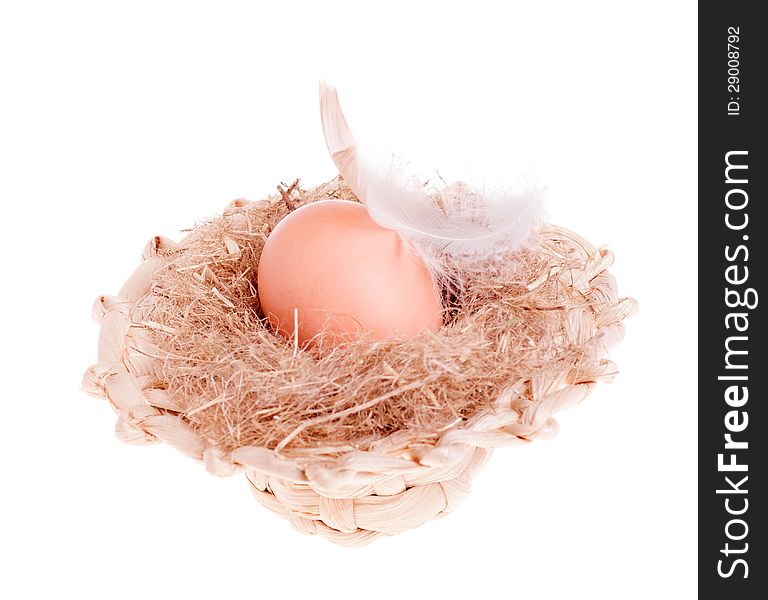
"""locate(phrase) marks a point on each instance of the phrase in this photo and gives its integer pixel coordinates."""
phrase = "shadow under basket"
(349, 491)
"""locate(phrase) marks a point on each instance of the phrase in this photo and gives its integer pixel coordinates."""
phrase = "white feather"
(455, 224)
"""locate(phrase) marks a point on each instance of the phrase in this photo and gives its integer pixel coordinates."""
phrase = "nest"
(372, 438)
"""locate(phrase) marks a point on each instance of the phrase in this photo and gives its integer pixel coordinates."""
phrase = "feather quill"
(456, 225)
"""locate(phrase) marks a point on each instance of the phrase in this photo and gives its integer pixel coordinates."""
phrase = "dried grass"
(239, 384)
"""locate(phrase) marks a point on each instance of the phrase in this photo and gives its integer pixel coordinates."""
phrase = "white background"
(120, 121)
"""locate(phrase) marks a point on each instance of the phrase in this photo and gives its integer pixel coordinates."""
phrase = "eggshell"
(341, 276)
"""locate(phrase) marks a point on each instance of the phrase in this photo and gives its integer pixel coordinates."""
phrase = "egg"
(328, 274)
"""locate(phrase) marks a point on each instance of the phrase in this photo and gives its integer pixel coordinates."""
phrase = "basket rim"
(146, 414)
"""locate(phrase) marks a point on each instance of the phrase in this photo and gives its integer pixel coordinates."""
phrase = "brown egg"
(329, 269)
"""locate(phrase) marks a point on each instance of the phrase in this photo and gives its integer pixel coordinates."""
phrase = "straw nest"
(373, 438)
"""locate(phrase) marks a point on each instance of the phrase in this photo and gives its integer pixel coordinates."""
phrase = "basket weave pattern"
(345, 494)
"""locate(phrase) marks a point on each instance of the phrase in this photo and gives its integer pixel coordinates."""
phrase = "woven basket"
(348, 495)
